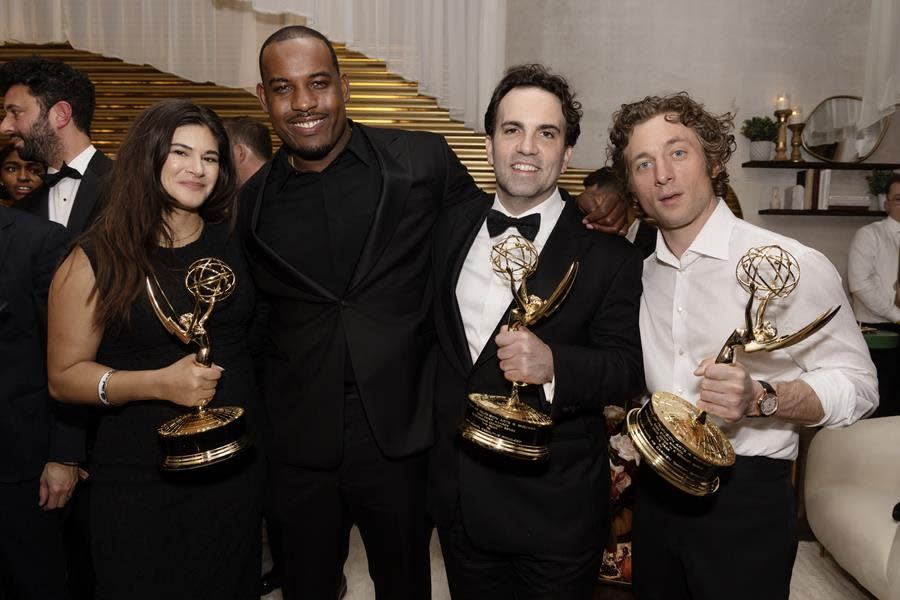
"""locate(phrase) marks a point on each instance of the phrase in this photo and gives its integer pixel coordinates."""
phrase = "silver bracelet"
(101, 387)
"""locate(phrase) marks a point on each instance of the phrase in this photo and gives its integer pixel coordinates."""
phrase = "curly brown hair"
(713, 132)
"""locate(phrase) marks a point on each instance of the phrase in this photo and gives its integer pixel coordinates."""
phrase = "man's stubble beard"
(41, 144)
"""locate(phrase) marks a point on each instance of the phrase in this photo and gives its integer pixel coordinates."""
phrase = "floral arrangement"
(624, 460)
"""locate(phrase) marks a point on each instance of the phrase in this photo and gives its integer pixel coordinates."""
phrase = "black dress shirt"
(332, 209)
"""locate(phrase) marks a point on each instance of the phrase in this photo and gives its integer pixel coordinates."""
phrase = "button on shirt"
(690, 307)
(484, 296)
(872, 271)
(62, 195)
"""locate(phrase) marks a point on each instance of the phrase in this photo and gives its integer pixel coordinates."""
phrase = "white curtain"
(455, 49)
(881, 86)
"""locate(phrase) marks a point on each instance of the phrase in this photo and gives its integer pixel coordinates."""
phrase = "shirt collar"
(551, 206)
(712, 241)
(893, 224)
(80, 162)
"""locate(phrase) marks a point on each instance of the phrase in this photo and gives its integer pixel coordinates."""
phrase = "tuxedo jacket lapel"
(460, 237)
(393, 159)
(85, 197)
(565, 244)
(294, 277)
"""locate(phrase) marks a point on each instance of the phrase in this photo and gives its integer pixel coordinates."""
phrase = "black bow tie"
(51, 179)
(527, 227)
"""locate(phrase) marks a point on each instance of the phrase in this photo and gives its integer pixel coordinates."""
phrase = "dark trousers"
(739, 543)
(384, 498)
(32, 558)
(474, 573)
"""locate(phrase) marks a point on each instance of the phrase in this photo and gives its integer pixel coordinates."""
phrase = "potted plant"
(878, 185)
(762, 133)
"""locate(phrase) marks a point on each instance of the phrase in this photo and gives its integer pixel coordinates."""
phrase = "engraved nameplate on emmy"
(502, 423)
(671, 433)
(205, 436)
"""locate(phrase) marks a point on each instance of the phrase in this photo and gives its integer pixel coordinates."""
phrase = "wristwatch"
(767, 403)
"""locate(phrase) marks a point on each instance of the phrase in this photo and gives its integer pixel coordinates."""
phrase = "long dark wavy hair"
(127, 237)
(713, 131)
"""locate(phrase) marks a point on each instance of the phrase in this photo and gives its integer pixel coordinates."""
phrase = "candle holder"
(781, 144)
(796, 142)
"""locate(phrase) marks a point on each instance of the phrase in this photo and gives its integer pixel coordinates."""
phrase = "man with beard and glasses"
(338, 234)
(49, 107)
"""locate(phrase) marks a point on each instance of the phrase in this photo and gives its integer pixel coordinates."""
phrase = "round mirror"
(831, 134)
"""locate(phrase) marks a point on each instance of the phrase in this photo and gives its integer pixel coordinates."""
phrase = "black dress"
(194, 534)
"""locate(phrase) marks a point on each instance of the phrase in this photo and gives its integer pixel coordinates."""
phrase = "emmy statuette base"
(203, 438)
(682, 447)
(515, 430)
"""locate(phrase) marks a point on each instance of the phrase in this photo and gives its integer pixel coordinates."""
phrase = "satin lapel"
(459, 241)
(393, 159)
(85, 198)
(7, 230)
(565, 244)
(295, 277)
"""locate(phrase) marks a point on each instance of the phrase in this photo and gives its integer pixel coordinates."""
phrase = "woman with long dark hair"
(171, 201)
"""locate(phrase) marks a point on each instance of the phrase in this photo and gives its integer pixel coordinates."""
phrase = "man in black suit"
(49, 108)
(601, 188)
(39, 450)
(338, 229)
(511, 528)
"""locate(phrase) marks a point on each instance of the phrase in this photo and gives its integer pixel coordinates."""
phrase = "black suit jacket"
(86, 205)
(383, 318)
(559, 506)
(33, 429)
(645, 239)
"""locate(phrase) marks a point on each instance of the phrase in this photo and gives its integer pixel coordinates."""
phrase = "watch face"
(768, 404)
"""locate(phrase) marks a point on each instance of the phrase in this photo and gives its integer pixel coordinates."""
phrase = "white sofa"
(852, 484)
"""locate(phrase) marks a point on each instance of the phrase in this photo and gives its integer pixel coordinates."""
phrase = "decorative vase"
(761, 150)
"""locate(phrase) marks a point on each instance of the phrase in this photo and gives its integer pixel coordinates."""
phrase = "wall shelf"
(823, 213)
(786, 164)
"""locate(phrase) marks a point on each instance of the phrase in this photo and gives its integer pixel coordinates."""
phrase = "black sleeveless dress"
(193, 534)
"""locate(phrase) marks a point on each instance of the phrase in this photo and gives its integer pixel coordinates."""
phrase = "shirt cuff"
(549, 389)
(841, 402)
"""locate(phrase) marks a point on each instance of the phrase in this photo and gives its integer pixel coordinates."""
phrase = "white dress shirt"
(62, 195)
(872, 271)
(690, 307)
(631, 234)
(484, 296)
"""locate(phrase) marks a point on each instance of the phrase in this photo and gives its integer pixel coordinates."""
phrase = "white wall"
(733, 55)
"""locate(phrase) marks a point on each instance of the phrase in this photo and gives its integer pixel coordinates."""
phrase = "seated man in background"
(251, 144)
(872, 274)
(603, 189)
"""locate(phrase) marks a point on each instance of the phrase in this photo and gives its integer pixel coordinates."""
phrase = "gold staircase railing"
(378, 98)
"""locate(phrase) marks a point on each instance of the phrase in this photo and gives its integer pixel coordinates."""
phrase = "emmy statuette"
(503, 423)
(672, 435)
(204, 436)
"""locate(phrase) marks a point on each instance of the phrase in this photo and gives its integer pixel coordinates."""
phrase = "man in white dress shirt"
(872, 272)
(511, 528)
(741, 541)
(49, 107)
